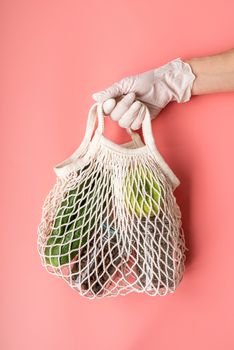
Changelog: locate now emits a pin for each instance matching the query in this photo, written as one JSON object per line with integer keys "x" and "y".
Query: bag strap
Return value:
{"x": 146, "y": 127}
{"x": 149, "y": 140}
{"x": 95, "y": 110}
{"x": 134, "y": 135}
{"x": 147, "y": 130}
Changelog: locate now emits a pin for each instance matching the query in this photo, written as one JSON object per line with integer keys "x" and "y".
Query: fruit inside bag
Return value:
{"x": 71, "y": 225}
{"x": 85, "y": 243}
{"x": 110, "y": 227}
{"x": 97, "y": 265}
{"x": 82, "y": 246}
{"x": 153, "y": 249}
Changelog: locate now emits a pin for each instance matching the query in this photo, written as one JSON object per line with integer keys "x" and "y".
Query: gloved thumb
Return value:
{"x": 119, "y": 88}
{"x": 113, "y": 91}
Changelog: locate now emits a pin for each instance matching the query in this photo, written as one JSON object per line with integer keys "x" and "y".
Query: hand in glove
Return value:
{"x": 155, "y": 88}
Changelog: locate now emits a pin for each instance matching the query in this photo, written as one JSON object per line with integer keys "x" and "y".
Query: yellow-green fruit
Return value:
{"x": 143, "y": 192}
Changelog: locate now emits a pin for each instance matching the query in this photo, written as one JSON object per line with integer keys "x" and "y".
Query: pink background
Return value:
{"x": 54, "y": 55}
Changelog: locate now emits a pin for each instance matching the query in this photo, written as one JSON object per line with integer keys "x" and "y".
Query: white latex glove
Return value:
{"x": 155, "y": 88}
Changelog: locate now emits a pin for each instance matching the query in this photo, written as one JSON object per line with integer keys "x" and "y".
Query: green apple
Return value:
{"x": 143, "y": 192}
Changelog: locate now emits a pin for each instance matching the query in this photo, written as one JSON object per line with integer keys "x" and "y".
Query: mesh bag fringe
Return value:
{"x": 111, "y": 224}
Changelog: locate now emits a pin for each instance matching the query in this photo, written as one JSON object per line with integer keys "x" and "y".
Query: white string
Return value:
{"x": 111, "y": 225}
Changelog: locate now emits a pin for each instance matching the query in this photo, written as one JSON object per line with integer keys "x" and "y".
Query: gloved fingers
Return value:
{"x": 119, "y": 88}
{"x": 130, "y": 115}
{"x": 122, "y": 106}
{"x": 136, "y": 124}
{"x": 108, "y": 106}
{"x": 112, "y": 91}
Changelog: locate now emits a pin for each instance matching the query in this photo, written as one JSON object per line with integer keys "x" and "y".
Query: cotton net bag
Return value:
{"x": 111, "y": 224}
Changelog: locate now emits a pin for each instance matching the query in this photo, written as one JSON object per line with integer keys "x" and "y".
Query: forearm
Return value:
{"x": 213, "y": 73}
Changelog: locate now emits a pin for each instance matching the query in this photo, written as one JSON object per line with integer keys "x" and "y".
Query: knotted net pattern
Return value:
{"x": 112, "y": 226}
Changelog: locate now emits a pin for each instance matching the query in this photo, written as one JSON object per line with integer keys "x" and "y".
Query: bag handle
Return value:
{"x": 99, "y": 107}
{"x": 96, "y": 110}
{"x": 148, "y": 140}
{"x": 146, "y": 127}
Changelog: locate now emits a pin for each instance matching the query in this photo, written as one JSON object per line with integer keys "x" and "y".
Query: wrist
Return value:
{"x": 214, "y": 73}
{"x": 198, "y": 67}
{"x": 186, "y": 82}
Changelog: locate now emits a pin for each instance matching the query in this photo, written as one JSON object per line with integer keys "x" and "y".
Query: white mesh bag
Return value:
{"x": 111, "y": 224}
